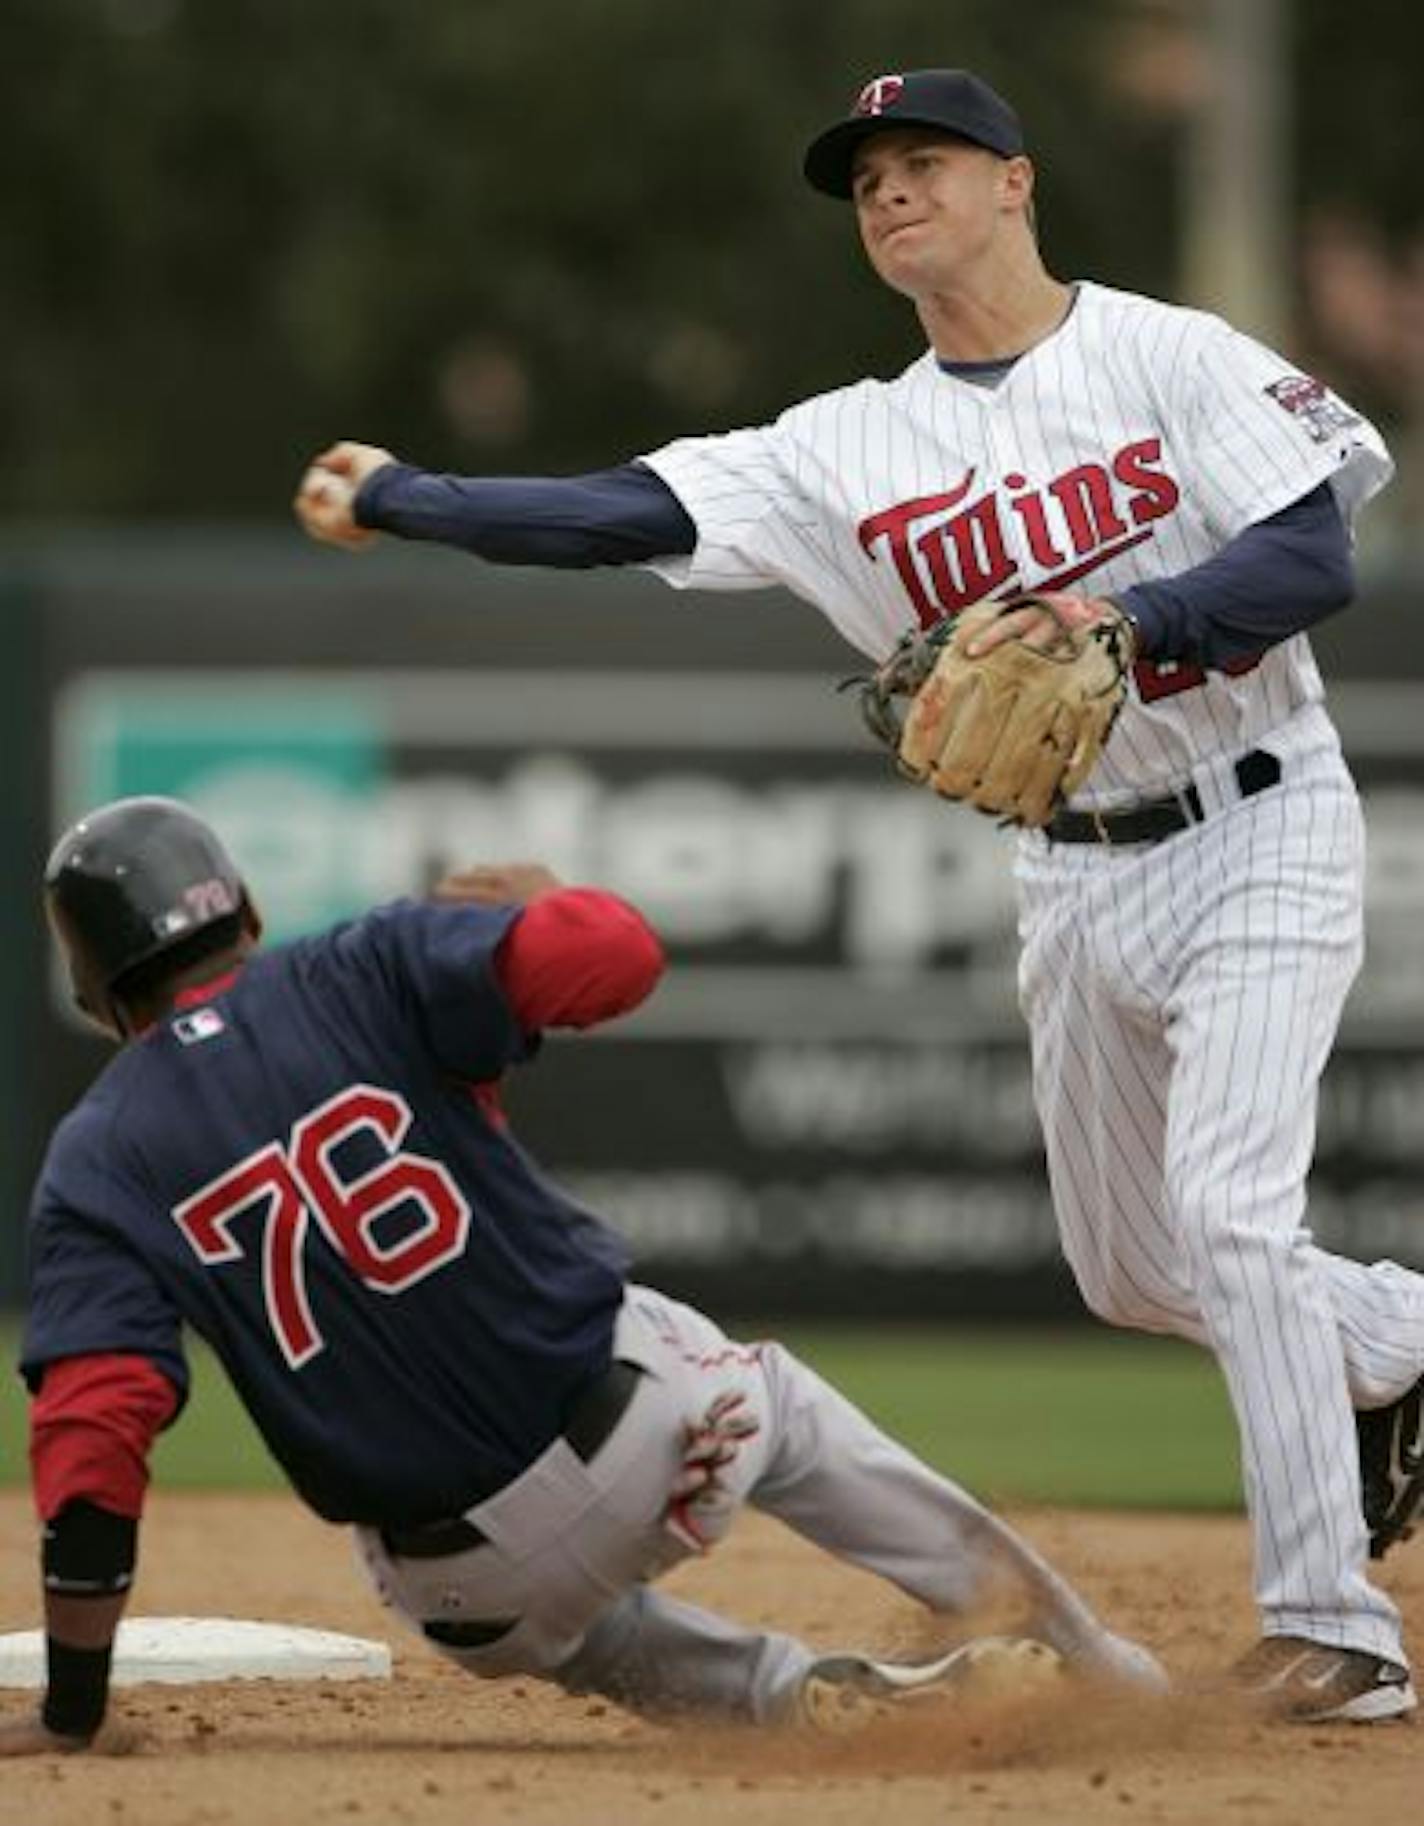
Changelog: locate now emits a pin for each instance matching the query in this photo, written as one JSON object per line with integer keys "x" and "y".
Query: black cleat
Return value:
{"x": 1392, "y": 1468}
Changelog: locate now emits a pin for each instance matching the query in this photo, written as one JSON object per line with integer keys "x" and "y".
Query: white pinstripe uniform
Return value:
{"x": 1182, "y": 997}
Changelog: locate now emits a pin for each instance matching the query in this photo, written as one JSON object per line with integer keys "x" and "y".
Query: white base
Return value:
{"x": 178, "y": 1650}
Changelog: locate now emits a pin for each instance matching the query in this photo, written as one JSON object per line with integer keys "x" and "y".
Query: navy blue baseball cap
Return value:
{"x": 954, "y": 101}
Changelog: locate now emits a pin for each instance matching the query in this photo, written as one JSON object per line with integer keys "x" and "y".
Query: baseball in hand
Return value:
{"x": 325, "y": 506}
{"x": 327, "y": 486}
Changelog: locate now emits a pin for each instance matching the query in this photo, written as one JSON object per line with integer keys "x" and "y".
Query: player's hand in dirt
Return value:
{"x": 498, "y": 884}
{"x": 325, "y": 503}
{"x": 31, "y": 1736}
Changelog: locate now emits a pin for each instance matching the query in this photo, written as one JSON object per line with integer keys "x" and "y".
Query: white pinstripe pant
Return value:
{"x": 1182, "y": 1000}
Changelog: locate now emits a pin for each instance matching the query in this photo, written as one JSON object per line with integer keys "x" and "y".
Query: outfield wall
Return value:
{"x": 826, "y": 1107}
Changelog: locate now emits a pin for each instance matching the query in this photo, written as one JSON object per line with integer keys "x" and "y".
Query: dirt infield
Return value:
{"x": 434, "y": 1747}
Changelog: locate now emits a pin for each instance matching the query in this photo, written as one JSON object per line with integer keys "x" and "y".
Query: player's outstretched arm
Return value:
{"x": 625, "y": 515}
{"x": 93, "y": 1420}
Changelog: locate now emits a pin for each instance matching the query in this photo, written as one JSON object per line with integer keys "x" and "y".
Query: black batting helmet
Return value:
{"x": 136, "y": 882}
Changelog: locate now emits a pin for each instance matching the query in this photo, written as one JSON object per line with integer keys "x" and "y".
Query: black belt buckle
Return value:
{"x": 599, "y": 1408}
{"x": 1155, "y": 819}
{"x": 1148, "y": 822}
{"x": 432, "y": 1540}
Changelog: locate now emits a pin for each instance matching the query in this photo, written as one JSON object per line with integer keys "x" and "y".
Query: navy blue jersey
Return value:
{"x": 298, "y": 1168}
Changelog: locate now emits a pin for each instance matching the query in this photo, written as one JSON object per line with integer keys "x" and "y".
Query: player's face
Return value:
{"x": 931, "y": 207}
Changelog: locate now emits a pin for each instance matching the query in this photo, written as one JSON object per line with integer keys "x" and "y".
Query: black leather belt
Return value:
{"x": 593, "y": 1416}
{"x": 1155, "y": 819}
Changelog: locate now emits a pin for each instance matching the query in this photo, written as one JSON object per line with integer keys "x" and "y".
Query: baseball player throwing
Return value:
{"x": 1191, "y": 917}
{"x": 301, "y": 1154}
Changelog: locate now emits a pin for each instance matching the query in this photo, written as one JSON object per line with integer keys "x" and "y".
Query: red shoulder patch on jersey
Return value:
{"x": 1311, "y": 401}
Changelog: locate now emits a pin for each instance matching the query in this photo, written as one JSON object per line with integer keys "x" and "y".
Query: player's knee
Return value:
{"x": 1108, "y": 1305}
{"x": 1227, "y": 1253}
{"x": 1108, "y": 1297}
{"x": 1211, "y": 1225}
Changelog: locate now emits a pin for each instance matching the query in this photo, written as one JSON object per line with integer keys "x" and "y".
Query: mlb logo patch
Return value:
{"x": 1312, "y": 402}
{"x": 201, "y": 1024}
{"x": 171, "y": 922}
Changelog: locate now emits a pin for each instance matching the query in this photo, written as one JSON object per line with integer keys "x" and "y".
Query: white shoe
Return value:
{"x": 842, "y": 1692}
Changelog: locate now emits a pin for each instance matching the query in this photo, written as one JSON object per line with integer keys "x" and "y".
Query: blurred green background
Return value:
{"x": 1037, "y": 1416}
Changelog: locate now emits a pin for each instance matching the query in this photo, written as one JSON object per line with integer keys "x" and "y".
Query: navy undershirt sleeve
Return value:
{"x": 613, "y": 516}
{"x": 1273, "y": 580}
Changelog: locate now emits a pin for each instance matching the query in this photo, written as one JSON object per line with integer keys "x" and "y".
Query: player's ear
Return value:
{"x": 106, "y": 1013}
{"x": 1016, "y": 180}
{"x": 1016, "y": 187}
{"x": 251, "y": 919}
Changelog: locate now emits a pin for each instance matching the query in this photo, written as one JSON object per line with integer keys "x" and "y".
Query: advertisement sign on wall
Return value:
{"x": 827, "y": 1103}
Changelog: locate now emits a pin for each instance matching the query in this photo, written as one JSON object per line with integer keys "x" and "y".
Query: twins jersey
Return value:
{"x": 1133, "y": 443}
{"x": 300, "y": 1164}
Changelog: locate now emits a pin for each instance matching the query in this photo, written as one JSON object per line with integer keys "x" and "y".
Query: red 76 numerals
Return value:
{"x": 290, "y": 1186}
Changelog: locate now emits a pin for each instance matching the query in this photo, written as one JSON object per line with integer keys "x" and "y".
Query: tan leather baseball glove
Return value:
{"x": 1013, "y": 731}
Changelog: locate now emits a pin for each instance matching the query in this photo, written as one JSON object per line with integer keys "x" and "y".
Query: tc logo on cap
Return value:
{"x": 879, "y": 95}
